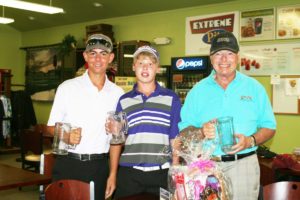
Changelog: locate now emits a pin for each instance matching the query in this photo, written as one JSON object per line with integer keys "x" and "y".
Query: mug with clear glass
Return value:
{"x": 61, "y": 138}
{"x": 118, "y": 126}
{"x": 225, "y": 133}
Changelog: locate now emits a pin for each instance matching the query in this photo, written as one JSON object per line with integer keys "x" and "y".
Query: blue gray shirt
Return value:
{"x": 244, "y": 99}
{"x": 153, "y": 122}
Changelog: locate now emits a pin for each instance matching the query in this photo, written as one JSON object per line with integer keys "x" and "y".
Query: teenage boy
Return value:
{"x": 153, "y": 114}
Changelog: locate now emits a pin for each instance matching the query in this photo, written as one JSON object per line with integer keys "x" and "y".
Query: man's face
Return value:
{"x": 224, "y": 62}
{"x": 98, "y": 60}
{"x": 145, "y": 69}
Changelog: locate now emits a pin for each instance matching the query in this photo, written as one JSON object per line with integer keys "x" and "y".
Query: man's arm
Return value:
{"x": 176, "y": 146}
{"x": 263, "y": 135}
{"x": 50, "y": 130}
{"x": 114, "y": 153}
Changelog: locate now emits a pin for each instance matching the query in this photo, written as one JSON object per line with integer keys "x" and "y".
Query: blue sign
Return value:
{"x": 190, "y": 63}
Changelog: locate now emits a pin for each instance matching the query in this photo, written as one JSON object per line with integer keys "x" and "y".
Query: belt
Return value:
{"x": 226, "y": 158}
{"x": 87, "y": 157}
{"x": 154, "y": 168}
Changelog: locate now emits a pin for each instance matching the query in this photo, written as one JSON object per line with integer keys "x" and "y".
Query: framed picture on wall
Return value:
{"x": 46, "y": 67}
{"x": 43, "y": 72}
{"x": 288, "y": 19}
{"x": 257, "y": 25}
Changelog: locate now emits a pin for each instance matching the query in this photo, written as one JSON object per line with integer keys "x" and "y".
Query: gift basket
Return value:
{"x": 197, "y": 177}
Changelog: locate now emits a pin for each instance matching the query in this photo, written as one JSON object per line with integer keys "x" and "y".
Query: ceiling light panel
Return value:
{"x": 4, "y": 20}
{"x": 31, "y": 6}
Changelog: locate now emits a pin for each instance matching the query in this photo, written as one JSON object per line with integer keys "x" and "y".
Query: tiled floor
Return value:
{"x": 27, "y": 193}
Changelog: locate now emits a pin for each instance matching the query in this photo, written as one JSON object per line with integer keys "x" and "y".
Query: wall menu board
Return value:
{"x": 257, "y": 25}
{"x": 265, "y": 60}
{"x": 288, "y": 22}
{"x": 282, "y": 102}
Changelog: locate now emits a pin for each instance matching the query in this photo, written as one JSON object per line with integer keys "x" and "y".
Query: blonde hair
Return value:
{"x": 146, "y": 54}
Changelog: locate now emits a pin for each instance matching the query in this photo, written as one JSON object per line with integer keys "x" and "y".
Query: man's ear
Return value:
{"x": 85, "y": 56}
{"x": 111, "y": 57}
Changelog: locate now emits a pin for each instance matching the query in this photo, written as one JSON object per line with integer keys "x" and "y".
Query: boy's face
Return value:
{"x": 145, "y": 68}
{"x": 98, "y": 60}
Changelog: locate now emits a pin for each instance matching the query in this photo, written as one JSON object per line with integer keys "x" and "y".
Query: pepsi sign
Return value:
{"x": 189, "y": 63}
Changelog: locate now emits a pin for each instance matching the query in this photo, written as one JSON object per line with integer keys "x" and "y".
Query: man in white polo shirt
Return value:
{"x": 83, "y": 102}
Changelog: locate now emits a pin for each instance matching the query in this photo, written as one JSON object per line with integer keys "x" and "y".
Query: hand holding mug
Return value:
{"x": 75, "y": 136}
{"x": 209, "y": 129}
{"x": 243, "y": 143}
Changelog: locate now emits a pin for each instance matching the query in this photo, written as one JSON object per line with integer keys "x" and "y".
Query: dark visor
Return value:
{"x": 103, "y": 42}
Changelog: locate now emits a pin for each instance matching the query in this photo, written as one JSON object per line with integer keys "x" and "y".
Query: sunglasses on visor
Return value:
{"x": 99, "y": 41}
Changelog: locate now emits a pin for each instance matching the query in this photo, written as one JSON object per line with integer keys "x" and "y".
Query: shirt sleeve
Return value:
{"x": 119, "y": 107}
{"x": 189, "y": 111}
{"x": 175, "y": 119}
{"x": 59, "y": 106}
{"x": 266, "y": 117}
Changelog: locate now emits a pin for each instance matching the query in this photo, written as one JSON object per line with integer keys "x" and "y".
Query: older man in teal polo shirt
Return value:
{"x": 227, "y": 92}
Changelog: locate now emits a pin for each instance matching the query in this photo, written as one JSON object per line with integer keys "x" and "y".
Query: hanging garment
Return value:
{"x": 23, "y": 111}
{"x": 1, "y": 120}
{"x": 6, "y": 131}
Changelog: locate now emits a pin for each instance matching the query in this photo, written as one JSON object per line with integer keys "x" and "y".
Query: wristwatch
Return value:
{"x": 252, "y": 141}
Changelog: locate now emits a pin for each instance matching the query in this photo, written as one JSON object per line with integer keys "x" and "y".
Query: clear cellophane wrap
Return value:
{"x": 197, "y": 177}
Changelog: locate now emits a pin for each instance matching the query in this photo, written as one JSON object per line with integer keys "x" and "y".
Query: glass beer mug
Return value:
{"x": 61, "y": 138}
{"x": 118, "y": 126}
{"x": 226, "y": 133}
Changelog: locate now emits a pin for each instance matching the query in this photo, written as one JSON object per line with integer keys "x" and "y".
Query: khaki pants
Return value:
{"x": 245, "y": 177}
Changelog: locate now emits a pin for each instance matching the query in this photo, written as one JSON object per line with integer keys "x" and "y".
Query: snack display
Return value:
{"x": 248, "y": 64}
{"x": 254, "y": 27}
{"x": 247, "y": 31}
{"x": 198, "y": 178}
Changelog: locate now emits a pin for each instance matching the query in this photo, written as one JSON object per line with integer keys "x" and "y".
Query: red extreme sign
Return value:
{"x": 225, "y": 22}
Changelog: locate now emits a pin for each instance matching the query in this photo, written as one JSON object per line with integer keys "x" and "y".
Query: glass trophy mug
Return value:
{"x": 226, "y": 133}
{"x": 118, "y": 126}
{"x": 61, "y": 138}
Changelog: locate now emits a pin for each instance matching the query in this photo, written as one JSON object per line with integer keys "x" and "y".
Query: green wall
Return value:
{"x": 147, "y": 27}
{"x": 10, "y": 55}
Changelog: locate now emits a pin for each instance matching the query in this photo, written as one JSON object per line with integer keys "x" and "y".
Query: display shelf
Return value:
{"x": 127, "y": 48}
